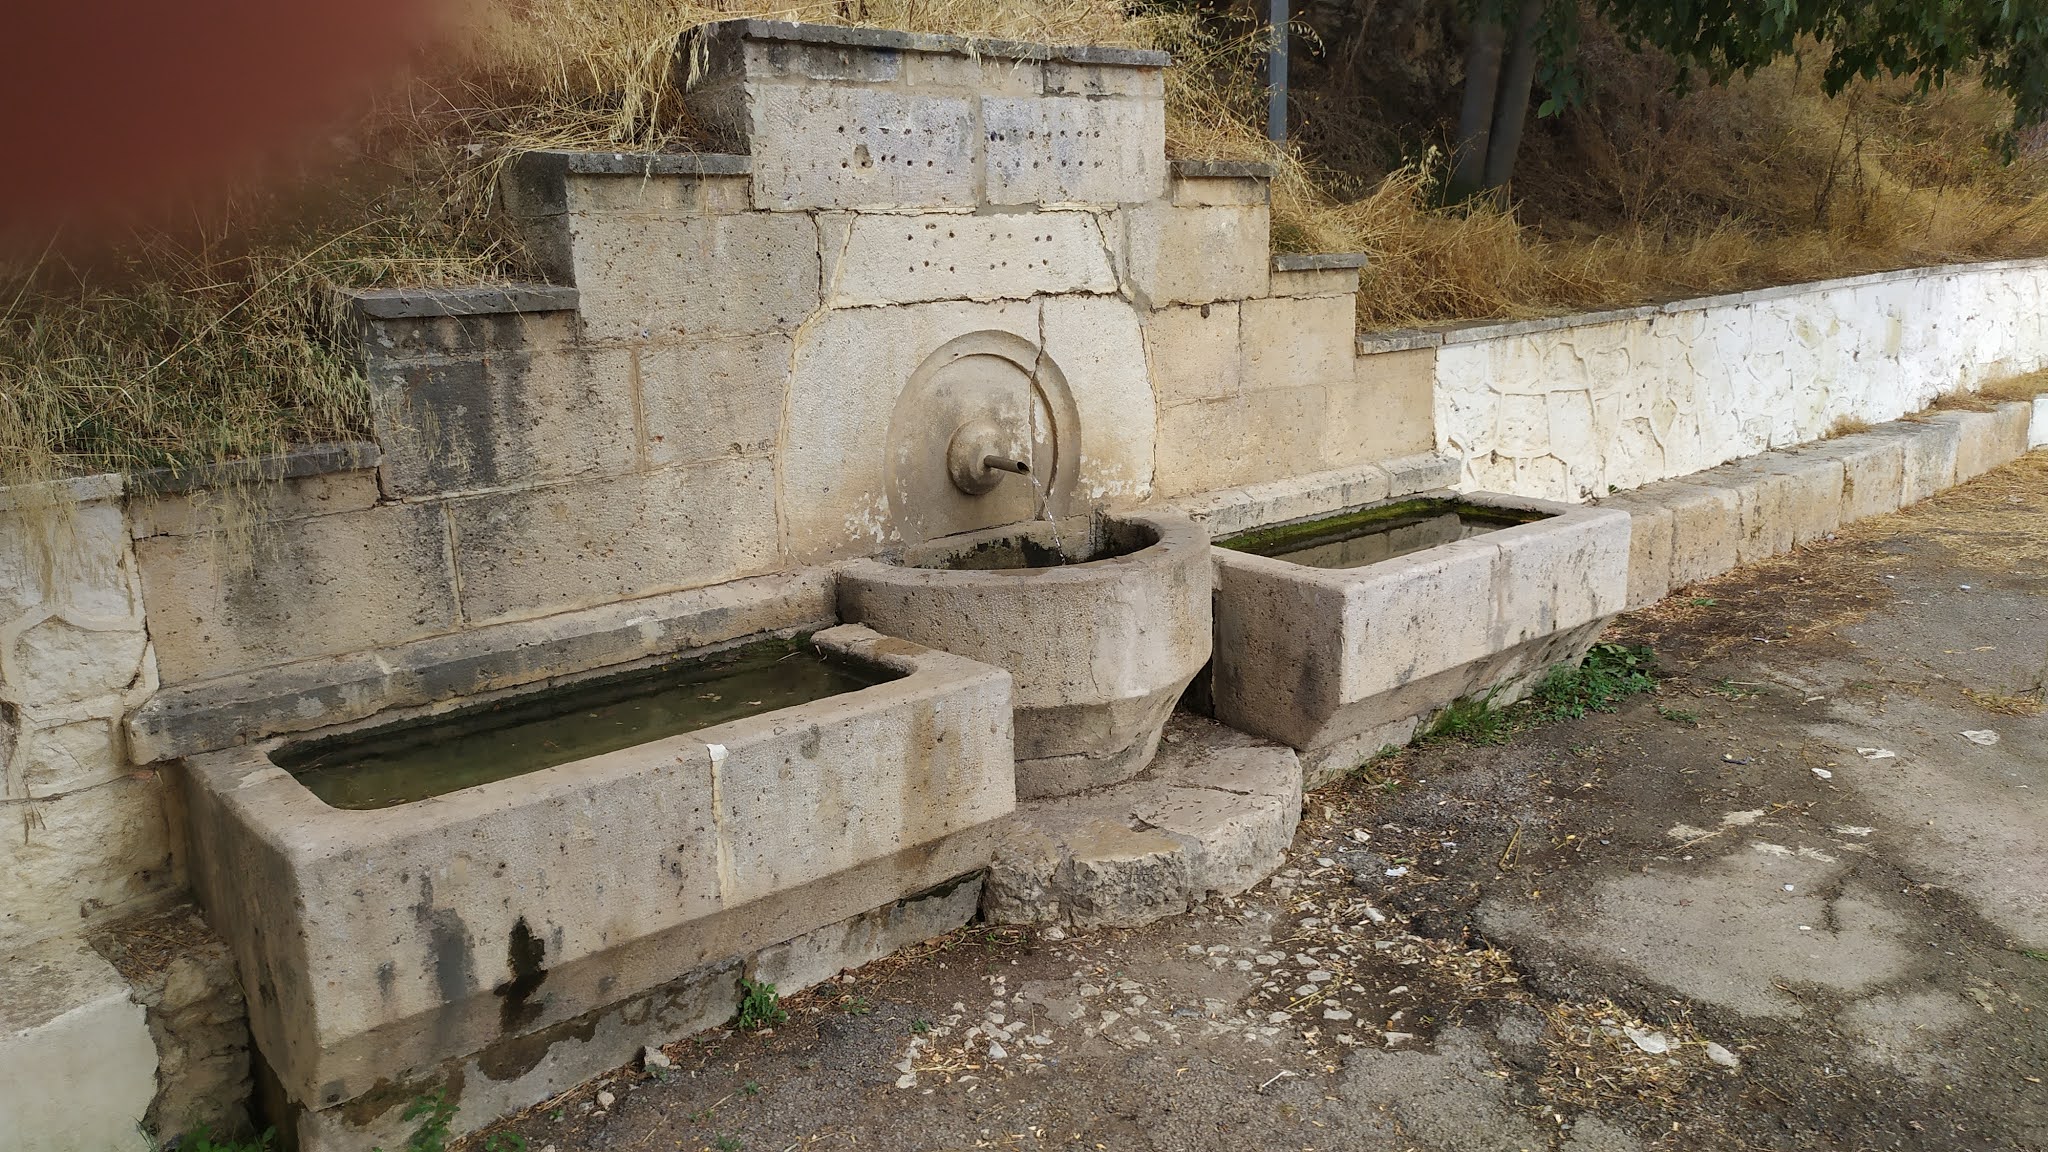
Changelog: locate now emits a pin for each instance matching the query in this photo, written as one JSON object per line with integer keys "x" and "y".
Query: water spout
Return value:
{"x": 1006, "y": 465}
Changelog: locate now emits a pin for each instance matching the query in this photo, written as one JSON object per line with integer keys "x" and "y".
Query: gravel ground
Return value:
{"x": 1785, "y": 901}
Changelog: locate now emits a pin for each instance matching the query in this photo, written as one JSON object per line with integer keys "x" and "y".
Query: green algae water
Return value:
{"x": 1355, "y": 539}
{"x": 433, "y": 756}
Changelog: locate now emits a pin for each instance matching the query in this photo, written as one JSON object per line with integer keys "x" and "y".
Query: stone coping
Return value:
{"x": 1319, "y": 261}
{"x": 1222, "y": 169}
{"x": 311, "y": 460}
{"x": 597, "y": 163}
{"x": 889, "y": 39}
{"x": 66, "y": 490}
{"x": 410, "y": 303}
{"x": 1400, "y": 339}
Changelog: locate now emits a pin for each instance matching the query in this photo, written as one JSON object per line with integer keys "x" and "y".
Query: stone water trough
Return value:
{"x": 1339, "y": 634}
{"x": 379, "y": 931}
{"x": 1103, "y": 621}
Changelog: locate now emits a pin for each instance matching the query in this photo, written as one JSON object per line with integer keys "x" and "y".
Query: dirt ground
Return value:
{"x": 1786, "y": 901}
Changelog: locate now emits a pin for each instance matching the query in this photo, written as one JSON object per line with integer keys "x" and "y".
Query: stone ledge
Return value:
{"x": 1319, "y": 261}
{"x": 70, "y": 490}
{"x": 1399, "y": 340}
{"x": 1222, "y": 169}
{"x": 644, "y": 163}
{"x": 238, "y": 708}
{"x": 414, "y": 303}
{"x": 889, "y": 39}
{"x": 312, "y": 460}
{"x": 1211, "y": 816}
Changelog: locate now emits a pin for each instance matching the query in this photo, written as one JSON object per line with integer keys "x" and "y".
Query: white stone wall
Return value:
{"x": 1576, "y": 407}
{"x": 81, "y": 832}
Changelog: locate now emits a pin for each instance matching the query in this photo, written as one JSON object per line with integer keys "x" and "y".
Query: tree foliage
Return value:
{"x": 1926, "y": 41}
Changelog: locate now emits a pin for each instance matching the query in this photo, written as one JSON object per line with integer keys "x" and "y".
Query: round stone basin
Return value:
{"x": 1101, "y": 624}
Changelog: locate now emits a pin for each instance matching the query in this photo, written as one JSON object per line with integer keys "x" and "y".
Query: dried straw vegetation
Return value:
{"x": 213, "y": 339}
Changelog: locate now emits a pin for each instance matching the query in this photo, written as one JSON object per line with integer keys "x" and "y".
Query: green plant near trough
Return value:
{"x": 760, "y": 1006}
{"x": 1608, "y": 673}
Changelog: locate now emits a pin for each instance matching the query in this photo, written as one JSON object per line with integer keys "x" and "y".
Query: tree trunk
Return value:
{"x": 1475, "y": 116}
{"x": 1511, "y": 100}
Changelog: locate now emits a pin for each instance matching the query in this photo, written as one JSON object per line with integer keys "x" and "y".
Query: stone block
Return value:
{"x": 536, "y": 551}
{"x": 828, "y": 146}
{"x": 77, "y": 1066}
{"x": 1422, "y": 472}
{"x": 381, "y": 936}
{"x": 706, "y": 398}
{"x": 1197, "y": 255}
{"x": 1985, "y": 440}
{"x": 1649, "y": 547}
{"x": 511, "y": 417}
{"x": 1930, "y": 456}
{"x": 209, "y": 510}
{"x": 1097, "y": 345}
{"x": 445, "y": 335}
{"x": 1783, "y": 502}
{"x": 2037, "y": 425}
{"x": 307, "y": 587}
{"x": 71, "y": 856}
{"x": 1192, "y": 352}
{"x": 661, "y": 278}
{"x": 65, "y": 756}
{"x": 1294, "y": 343}
{"x": 74, "y": 559}
{"x": 49, "y": 659}
{"x": 1184, "y": 190}
{"x": 1387, "y": 409}
{"x": 1075, "y": 149}
{"x": 1246, "y": 439}
{"x": 932, "y": 256}
{"x": 1873, "y": 472}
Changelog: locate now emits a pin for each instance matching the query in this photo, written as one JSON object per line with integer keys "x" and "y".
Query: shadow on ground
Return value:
{"x": 1796, "y": 898}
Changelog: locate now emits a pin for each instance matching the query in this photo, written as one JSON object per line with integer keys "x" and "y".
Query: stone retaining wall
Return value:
{"x": 1573, "y": 407}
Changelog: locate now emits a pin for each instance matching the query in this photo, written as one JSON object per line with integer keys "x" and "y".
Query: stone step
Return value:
{"x": 1212, "y": 815}
{"x": 77, "y": 1065}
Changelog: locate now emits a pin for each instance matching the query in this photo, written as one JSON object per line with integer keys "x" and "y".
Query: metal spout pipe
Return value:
{"x": 1004, "y": 465}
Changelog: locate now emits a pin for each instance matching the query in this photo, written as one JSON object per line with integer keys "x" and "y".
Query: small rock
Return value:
{"x": 1823, "y": 773}
{"x": 1983, "y": 737}
{"x": 1395, "y": 1039}
{"x": 652, "y": 1058}
{"x": 997, "y": 1051}
{"x": 606, "y": 1100}
{"x": 1722, "y": 1056}
{"x": 1336, "y": 1014}
{"x": 1655, "y": 1043}
{"x": 1053, "y": 932}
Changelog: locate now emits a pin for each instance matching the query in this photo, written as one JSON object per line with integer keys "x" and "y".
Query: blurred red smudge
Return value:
{"x": 116, "y": 106}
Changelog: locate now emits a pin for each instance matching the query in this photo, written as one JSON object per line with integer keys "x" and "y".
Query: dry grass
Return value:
{"x": 2023, "y": 387}
{"x": 1592, "y": 1061}
{"x": 212, "y": 340}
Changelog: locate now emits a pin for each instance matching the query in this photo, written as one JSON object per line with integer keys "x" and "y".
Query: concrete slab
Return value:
{"x": 77, "y": 1065}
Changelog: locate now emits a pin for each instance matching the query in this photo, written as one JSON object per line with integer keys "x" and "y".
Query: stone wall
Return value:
{"x": 84, "y": 831}
{"x": 723, "y": 379}
{"x": 1578, "y": 406}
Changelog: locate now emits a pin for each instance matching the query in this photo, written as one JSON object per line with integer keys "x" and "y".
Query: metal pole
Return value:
{"x": 1276, "y": 71}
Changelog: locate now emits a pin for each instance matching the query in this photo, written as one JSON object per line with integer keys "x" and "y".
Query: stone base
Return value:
{"x": 612, "y": 1037}
{"x": 1212, "y": 815}
{"x": 77, "y": 1066}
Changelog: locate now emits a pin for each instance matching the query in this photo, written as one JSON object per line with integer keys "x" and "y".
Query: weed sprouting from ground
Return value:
{"x": 760, "y": 1006}
{"x": 1608, "y": 673}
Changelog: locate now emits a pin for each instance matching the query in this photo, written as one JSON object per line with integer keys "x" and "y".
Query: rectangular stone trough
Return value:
{"x": 520, "y": 935}
{"x": 1341, "y": 661}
